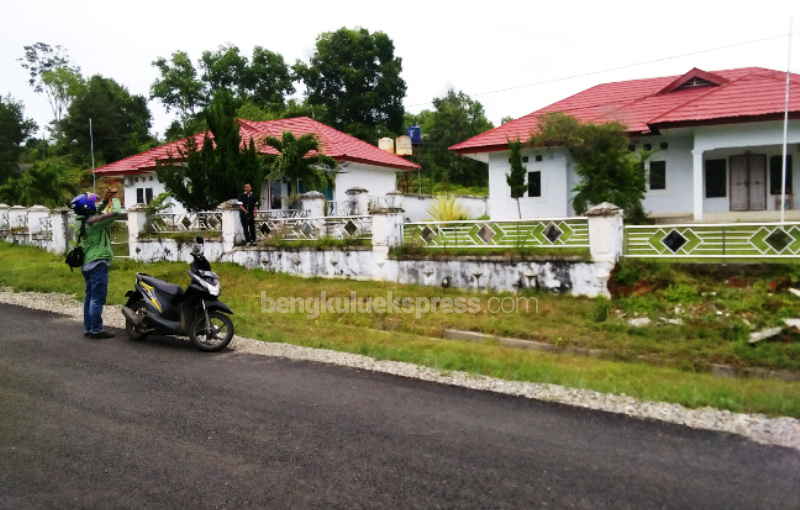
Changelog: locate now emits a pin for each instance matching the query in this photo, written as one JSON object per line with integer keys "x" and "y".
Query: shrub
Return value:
{"x": 448, "y": 208}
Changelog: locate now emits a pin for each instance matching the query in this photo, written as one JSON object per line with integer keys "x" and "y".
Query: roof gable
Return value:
{"x": 692, "y": 79}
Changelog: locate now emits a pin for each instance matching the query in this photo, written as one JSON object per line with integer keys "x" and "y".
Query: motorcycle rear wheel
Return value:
{"x": 134, "y": 331}
{"x": 213, "y": 338}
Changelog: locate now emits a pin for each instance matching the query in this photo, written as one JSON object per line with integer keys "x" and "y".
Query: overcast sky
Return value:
{"x": 476, "y": 47}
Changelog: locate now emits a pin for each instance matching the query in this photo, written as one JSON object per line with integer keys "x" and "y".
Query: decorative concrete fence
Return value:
{"x": 380, "y": 228}
{"x": 36, "y": 226}
{"x": 383, "y": 228}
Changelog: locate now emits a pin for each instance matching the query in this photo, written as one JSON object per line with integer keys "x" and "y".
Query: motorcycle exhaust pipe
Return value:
{"x": 131, "y": 316}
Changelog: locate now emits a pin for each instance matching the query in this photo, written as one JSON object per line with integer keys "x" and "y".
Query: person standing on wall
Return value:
{"x": 96, "y": 241}
{"x": 248, "y": 206}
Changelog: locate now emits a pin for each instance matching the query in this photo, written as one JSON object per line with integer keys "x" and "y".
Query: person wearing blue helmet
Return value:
{"x": 92, "y": 230}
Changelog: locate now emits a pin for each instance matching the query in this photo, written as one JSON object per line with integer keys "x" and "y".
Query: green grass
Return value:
{"x": 561, "y": 320}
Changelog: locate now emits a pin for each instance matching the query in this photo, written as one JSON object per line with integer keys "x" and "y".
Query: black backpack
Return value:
{"x": 75, "y": 256}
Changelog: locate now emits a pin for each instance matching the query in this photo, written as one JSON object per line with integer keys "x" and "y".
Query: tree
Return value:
{"x": 15, "y": 129}
{"x": 356, "y": 75}
{"x": 516, "y": 179}
{"x": 209, "y": 175}
{"x": 178, "y": 88}
{"x": 268, "y": 80}
{"x": 456, "y": 118}
{"x": 224, "y": 69}
{"x": 40, "y": 60}
{"x": 506, "y": 120}
{"x": 120, "y": 121}
{"x": 263, "y": 83}
{"x": 51, "y": 183}
{"x": 295, "y": 161}
{"x": 608, "y": 171}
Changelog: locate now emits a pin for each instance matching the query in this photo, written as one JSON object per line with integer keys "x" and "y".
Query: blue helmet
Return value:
{"x": 84, "y": 204}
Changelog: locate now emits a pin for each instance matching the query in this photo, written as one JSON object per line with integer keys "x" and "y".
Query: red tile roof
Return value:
{"x": 340, "y": 146}
{"x": 751, "y": 93}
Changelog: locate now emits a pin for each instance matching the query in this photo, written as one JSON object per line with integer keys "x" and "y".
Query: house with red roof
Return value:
{"x": 360, "y": 164}
{"x": 718, "y": 138}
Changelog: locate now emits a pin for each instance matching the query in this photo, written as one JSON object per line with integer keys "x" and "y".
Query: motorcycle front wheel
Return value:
{"x": 212, "y": 336}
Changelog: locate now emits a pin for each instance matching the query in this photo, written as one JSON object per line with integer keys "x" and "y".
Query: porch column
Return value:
{"x": 697, "y": 187}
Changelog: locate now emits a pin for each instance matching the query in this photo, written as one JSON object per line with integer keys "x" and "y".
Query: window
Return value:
{"x": 775, "y": 177}
{"x": 716, "y": 178}
{"x": 658, "y": 175}
{"x": 139, "y": 195}
{"x": 534, "y": 184}
{"x": 148, "y": 195}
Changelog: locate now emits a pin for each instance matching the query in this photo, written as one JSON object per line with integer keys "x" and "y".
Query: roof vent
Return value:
{"x": 696, "y": 83}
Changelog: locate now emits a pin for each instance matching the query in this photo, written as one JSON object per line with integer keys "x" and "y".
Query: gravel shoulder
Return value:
{"x": 782, "y": 431}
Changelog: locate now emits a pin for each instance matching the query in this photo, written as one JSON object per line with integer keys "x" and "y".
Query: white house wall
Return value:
{"x": 378, "y": 181}
{"x": 146, "y": 180}
{"x": 555, "y": 193}
{"x": 677, "y": 197}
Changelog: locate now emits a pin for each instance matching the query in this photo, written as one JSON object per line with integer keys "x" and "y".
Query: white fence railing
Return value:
{"x": 281, "y": 214}
{"x": 337, "y": 227}
{"x": 341, "y": 208}
{"x": 374, "y": 202}
{"x": 185, "y": 222}
{"x": 728, "y": 240}
{"x": 539, "y": 233}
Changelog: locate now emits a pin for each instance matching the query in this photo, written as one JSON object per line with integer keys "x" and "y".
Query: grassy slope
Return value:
{"x": 560, "y": 319}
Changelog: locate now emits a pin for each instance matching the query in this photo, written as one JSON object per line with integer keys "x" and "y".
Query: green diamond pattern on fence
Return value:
{"x": 674, "y": 241}
{"x": 778, "y": 240}
{"x": 307, "y": 228}
{"x": 186, "y": 222}
{"x": 428, "y": 234}
{"x": 265, "y": 230}
{"x": 486, "y": 234}
{"x": 552, "y": 233}
{"x": 351, "y": 227}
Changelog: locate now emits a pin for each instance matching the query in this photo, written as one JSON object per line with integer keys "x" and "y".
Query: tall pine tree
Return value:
{"x": 212, "y": 175}
{"x": 516, "y": 179}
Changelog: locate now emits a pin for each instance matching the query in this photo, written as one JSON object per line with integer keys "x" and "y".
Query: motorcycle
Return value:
{"x": 158, "y": 307}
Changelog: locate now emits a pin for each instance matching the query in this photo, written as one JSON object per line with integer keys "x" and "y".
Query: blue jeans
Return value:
{"x": 96, "y": 291}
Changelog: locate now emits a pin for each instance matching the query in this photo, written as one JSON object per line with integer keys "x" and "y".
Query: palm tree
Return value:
{"x": 301, "y": 159}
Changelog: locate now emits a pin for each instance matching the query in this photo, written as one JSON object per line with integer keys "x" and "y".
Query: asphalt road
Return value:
{"x": 117, "y": 424}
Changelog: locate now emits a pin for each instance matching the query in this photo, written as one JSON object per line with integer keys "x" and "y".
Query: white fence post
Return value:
{"x": 387, "y": 225}
{"x": 359, "y": 197}
{"x": 137, "y": 221}
{"x": 231, "y": 226}
{"x": 396, "y": 200}
{"x": 5, "y": 224}
{"x": 36, "y": 214}
{"x": 314, "y": 203}
{"x": 60, "y": 221}
{"x": 605, "y": 232}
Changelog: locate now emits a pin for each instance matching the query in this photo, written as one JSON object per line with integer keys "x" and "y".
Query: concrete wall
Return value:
{"x": 476, "y": 273}
{"x": 416, "y": 206}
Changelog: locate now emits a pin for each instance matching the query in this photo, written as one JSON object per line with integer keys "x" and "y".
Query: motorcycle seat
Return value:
{"x": 174, "y": 291}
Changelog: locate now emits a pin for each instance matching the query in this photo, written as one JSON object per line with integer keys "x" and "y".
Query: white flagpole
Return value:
{"x": 786, "y": 129}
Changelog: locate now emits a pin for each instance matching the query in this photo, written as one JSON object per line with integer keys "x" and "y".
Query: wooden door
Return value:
{"x": 749, "y": 182}
{"x": 757, "y": 164}
{"x": 739, "y": 183}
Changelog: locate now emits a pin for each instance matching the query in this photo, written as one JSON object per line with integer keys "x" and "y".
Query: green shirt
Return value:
{"x": 97, "y": 242}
